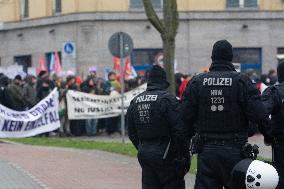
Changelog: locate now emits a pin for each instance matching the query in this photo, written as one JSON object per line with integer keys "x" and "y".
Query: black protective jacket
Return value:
{"x": 273, "y": 100}
{"x": 153, "y": 122}
{"x": 221, "y": 103}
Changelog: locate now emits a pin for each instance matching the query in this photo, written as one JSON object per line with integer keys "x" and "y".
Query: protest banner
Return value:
{"x": 88, "y": 106}
{"x": 41, "y": 118}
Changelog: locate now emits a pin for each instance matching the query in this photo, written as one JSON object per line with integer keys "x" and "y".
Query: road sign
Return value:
{"x": 69, "y": 56}
{"x": 121, "y": 45}
{"x": 115, "y": 46}
{"x": 69, "y": 49}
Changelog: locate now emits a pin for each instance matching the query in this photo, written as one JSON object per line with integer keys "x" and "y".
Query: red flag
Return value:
{"x": 57, "y": 66}
{"x": 41, "y": 64}
{"x": 127, "y": 67}
{"x": 116, "y": 66}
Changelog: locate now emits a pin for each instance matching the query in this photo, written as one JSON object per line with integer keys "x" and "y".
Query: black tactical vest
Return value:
{"x": 149, "y": 122}
{"x": 219, "y": 106}
{"x": 278, "y": 117}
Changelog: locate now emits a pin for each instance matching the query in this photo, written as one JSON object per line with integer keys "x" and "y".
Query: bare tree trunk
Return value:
{"x": 169, "y": 58}
{"x": 168, "y": 30}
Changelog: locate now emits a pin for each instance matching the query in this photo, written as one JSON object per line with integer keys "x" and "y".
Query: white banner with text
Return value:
{"x": 88, "y": 106}
{"x": 40, "y": 119}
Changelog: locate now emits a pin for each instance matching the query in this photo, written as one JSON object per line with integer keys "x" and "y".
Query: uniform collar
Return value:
{"x": 221, "y": 65}
{"x": 157, "y": 86}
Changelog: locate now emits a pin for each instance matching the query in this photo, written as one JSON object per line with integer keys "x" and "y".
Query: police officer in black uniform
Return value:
{"x": 219, "y": 105}
{"x": 155, "y": 130}
{"x": 273, "y": 100}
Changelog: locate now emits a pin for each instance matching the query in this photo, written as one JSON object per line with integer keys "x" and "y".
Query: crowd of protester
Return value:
{"x": 21, "y": 94}
{"x": 261, "y": 81}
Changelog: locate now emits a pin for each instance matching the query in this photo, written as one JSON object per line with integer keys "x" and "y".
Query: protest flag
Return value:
{"x": 57, "y": 65}
{"x": 41, "y": 64}
{"x": 127, "y": 68}
{"x": 129, "y": 71}
{"x": 51, "y": 63}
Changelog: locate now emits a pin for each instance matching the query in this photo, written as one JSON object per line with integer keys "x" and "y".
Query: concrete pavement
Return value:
{"x": 59, "y": 168}
{"x": 34, "y": 167}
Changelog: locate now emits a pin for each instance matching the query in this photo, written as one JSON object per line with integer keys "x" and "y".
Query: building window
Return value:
{"x": 144, "y": 56}
{"x": 280, "y": 54}
{"x": 249, "y": 58}
{"x": 25, "y": 61}
{"x": 242, "y": 3}
{"x": 251, "y": 3}
{"x": 57, "y": 6}
{"x": 233, "y": 3}
{"x": 143, "y": 59}
{"x": 138, "y": 4}
{"x": 24, "y": 8}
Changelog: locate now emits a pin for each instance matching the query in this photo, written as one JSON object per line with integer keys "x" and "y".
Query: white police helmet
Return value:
{"x": 253, "y": 174}
{"x": 261, "y": 175}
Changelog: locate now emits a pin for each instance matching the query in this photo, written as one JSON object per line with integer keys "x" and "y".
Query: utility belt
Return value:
{"x": 159, "y": 140}
{"x": 227, "y": 138}
{"x": 199, "y": 140}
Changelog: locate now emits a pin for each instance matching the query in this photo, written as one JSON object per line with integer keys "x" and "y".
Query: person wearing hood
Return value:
{"x": 44, "y": 85}
{"x": 217, "y": 106}
{"x": 158, "y": 135}
{"x": 16, "y": 94}
{"x": 30, "y": 95}
{"x": 273, "y": 100}
{"x": 91, "y": 124}
{"x": 5, "y": 99}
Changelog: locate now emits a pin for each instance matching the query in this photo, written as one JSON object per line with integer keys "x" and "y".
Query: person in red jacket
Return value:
{"x": 183, "y": 85}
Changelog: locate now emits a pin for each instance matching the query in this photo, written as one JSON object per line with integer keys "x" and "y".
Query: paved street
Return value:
{"x": 29, "y": 167}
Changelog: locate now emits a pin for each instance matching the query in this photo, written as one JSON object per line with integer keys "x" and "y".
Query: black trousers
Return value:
{"x": 160, "y": 178}
{"x": 279, "y": 164}
{"x": 215, "y": 164}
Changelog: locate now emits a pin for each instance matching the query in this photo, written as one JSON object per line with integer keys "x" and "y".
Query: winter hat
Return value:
{"x": 280, "y": 71}
{"x": 222, "y": 50}
{"x": 157, "y": 75}
{"x": 4, "y": 80}
{"x": 93, "y": 69}
{"x": 18, "y": 77}
{"x": 69, "y": 78}
{"x": 41, "y": 73}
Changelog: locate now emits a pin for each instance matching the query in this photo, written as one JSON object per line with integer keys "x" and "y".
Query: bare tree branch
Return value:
{"x": 153, "y": 17}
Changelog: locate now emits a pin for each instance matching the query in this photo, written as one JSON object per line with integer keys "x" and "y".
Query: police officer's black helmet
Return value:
{"x": 157, "y": 75}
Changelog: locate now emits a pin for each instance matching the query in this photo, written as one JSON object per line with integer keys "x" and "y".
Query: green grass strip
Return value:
{"x": 114, "y": 147}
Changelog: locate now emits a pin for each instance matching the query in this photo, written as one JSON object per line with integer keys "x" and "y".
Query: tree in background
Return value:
{"x": 167, "y": 27}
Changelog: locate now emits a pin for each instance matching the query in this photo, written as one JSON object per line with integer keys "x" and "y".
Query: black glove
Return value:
{"x": 182, "y": 166}
{"x": 268, "y": 140}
